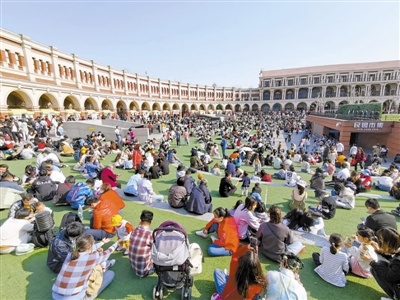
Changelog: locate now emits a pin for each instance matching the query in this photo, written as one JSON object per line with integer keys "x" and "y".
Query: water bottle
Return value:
{"x": 80, "y": 212}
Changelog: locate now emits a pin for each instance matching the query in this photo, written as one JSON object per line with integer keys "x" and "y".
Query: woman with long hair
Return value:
{"x": 245, "y": 219}
{"x": 386, "y": 271}
{"x": 245, "y": 280}
{"x": 73, "y": 280}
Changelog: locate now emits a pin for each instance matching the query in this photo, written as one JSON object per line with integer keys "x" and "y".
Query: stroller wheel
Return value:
{"x": 158, "y": 293}
{"x": 186, "y": 293}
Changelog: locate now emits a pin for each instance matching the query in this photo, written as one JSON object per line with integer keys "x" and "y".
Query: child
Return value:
{"x": 357, "y": 265}
{"x": 232, "y": 210}
{"x": 332, "y": 264}
{"x": 257, "y": 164}
{"x": 216, "y": 170}
{"x": 256, "y": 192}
{"x": 124, "y": 229}
{"x": 245, "y": 183}
{"x": 41, "y": 207}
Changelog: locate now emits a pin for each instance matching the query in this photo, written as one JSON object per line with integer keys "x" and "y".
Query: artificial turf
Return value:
{"x": 27, "y": 277}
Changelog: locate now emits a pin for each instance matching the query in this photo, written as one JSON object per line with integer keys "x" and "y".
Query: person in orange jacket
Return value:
{"x": 225, "y": 226}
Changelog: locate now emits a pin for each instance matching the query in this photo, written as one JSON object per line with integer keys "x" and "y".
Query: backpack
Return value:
{"x": 43, "y": 229}
{"x": 69, "y": 218}
{"x": 78, "y": 194}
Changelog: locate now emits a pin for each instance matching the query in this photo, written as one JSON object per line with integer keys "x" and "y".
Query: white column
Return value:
{"x": 54, "y": 62}
{"x": 95, "y": 76}
{"x": 27, "y": 53}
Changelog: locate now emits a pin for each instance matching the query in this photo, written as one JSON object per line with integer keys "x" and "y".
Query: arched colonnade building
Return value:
{"x": 42, "y": 80}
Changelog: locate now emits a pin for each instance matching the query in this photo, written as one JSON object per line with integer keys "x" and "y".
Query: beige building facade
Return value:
{"x": 43, "y": 80}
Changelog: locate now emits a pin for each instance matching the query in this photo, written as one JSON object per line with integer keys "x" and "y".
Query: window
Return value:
{"x": 278, "y": 82}
{"x": 358, "y": 78}
{"x": 387, "y": 76}
{"x": 330, "y": 79}
{"x": 344, "y": 78}
{"x": 303, "y": 80}
{"x": 266, "y": 83}
{"x": 371, "y": 77}
{"x": 316, "y": 80}
{"x": 290, "y": 82}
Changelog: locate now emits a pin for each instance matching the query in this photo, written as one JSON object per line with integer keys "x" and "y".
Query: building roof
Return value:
{"x": 393, "y": 64}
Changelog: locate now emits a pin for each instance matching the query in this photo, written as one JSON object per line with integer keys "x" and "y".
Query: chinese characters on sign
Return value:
{"x": 368, "y": 125}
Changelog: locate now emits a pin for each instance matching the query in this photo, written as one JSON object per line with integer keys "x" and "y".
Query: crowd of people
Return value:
{"x": 243, "y": 232}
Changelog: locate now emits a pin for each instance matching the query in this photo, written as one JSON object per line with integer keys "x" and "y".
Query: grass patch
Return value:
{"x": 27, "y": 277}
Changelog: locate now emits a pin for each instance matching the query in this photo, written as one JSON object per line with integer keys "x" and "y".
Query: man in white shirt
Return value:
{"x": 339, "y": 147}
{"x": 27, "y": 152}
{"x": 344, "y": 173}
{"x": 353, "y": 150}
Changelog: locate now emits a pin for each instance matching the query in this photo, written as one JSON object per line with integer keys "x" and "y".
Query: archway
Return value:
{"x": 18, "y": 102}
{"x": 90, "y": 104}
{"x": 330, "y": 105}
{"x": 146, "y": 107}
{"x": 122, "y": 110}
{"x": 210, "y": 108}
{"x": 278, "y": 95}
{"x": 330, "y": 92}
{"x": 343, "y": 91}
{"x": 277, "y": 107}
{"x": 246, "y": 107}
{"x": 289, "y": 107}
{"x": 303, "y": 93}
{"x": 193, "y": 107}
{"x": 316, "y": 92}
{"x": 48, "y": 102}
{"x": 343, "y": 102}
{"x": 185, "y": 109}
{"x": 302, "y": 106}
{"x": 202, "y": 107}
{"x": 265, "y": 108}
{"x": 228, "y": 107}
{"x": 289, "y": 94}
{"x": 254, "y": 107}
{"x": 134, "y": 108}
{"x": 266, "y": 95}
{"x": 237, "y": 108}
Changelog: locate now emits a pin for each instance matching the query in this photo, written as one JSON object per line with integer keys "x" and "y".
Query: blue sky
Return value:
{"x": 207, "y": 42}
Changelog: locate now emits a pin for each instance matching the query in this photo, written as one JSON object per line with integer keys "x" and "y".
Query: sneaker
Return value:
{"x": 201, "y": 233}
{"x": 110, "y": 263}
{"x": 119, "y": 248}
{"x": 126, "y": 252}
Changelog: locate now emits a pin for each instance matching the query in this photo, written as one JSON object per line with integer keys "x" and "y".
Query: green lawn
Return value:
{"x": 27, "y": 277}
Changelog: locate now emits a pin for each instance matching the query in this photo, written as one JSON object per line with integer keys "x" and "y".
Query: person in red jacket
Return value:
{"x": 100, "y": 224}
{"x": 225, "y": 226}
{"x": 246, "y": 278}
{"x": 137, "y": 157}
{"x": 108, "y": 176}
{"x": 112, "y": 197}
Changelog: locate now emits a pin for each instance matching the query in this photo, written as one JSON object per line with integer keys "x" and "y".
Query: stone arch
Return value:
{"x": 316, "y": 92}
{"x": 301, "y": 106}
{"x": 237, "y": 108}
{"x": 193, "y": 107}
{"x": 289, "y": 106}
{"x": 246, "y": 107}
{"x": 48, "y": 101}
{"x": 254, "y": 107}
{"x": 185, "y": 109}
{"x": 70, "y": 102}
{"x": 219, "y": 107}
{"x": 175, "y": 106}
{"x": 228, "y": 107}
{"x": 330, "y": 105}
{"x": 106, "y": 105}
{"x": 313, "y": 106}
{"x": 267, "y": 95}
{"x": 277, "y": 107}
{"x": 343, "y": 102}
{"x": 91, "y": 104}
{"x": 145, "y": 106}
{"x": 388, "y": 105}
{"x": 290, "y": 94}
{"x": 19, "y": 100}
{"x": 278, "y": 95}
{"x": 210, "y": 107}
{"x": 330, "y": 92}
{"x": 202, "y": 107}
{"x": 166, "y": 107}
{"x": 344, "y": 92}
{"x": 134, "y": 106}
{"x": 303, "y": 93}
{"x": 265, "y": 108}
{"x": 156, "y": 107}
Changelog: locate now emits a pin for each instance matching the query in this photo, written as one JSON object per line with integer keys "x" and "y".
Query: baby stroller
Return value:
{"x": 171, "y": 259}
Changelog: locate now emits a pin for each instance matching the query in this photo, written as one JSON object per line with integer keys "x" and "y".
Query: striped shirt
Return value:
{"x": 332, "y": 267}
{"x": 74, "y": 274}
{"x": 141, "y": 242}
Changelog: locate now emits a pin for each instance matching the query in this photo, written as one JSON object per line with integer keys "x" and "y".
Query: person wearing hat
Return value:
{"x": 326, "y": 208}
{"x": 124, "y": 229}
{"x": 299, "y": 196}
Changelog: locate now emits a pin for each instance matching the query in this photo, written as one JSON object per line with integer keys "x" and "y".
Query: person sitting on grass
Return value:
{"x": 140, "y": 244}
{"x": 73, "y": 280}
{"x": 299, "y": 196}
{"x": 326, "y": 208}
{"x": 227, "y": 241}
{"x": 177, "y": 193}
{"x": 200, "y": 199}
{"x": 245, "y": 280}
{"x": 63, "y": 244}
{"x": 226, "y": 188}
{"x": 16, "y": 231}
{"x": 246, "y": 221}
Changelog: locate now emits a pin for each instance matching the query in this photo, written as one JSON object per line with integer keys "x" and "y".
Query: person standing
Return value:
{"x": 140, "y": 244}
{"x": 118, "y": 134}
